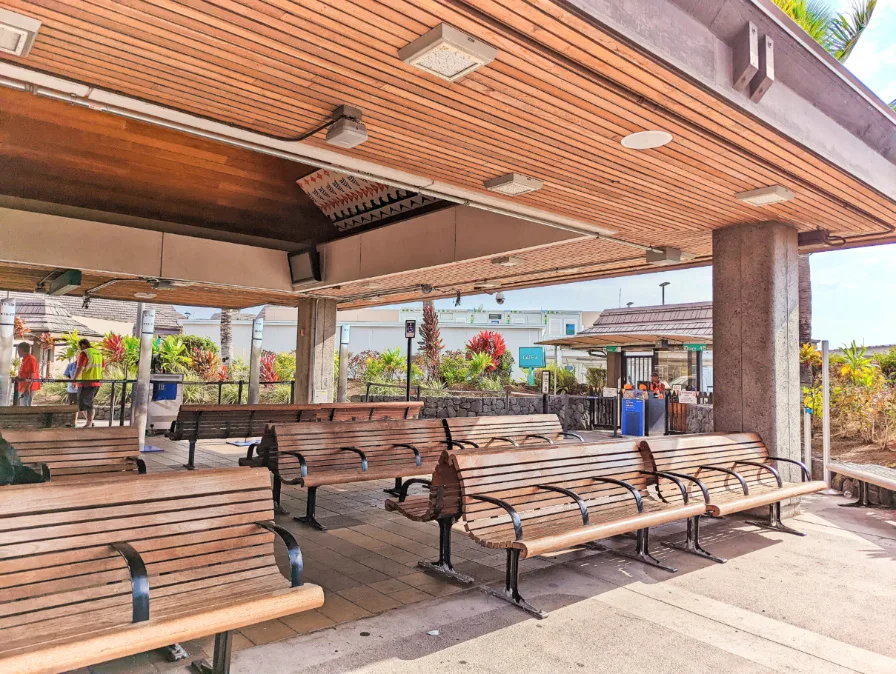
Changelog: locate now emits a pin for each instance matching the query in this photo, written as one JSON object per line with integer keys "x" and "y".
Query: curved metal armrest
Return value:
{"x": 743, "y": 483}
{"x": 460, "y": 443}
{"x": 139, "y": 580}
{"x": 669, "y": 476}
{"x": 505, "y": 439}
{"x": 251, "y": 450}
{"x": 296, "y": 566}
{"x": 172, "y": 427}
{"x": 411, "y": 447}
{"x": 141, "y": 468}
{"x": 798, "y": 463}
{"x": 359, "y": 453}
{"x": 540, "y": 437}
{"x": 631, "y": 488}
{"x": 403, "y": 494}
{"x": 569, "y": 492}
{"x": 764, "y": 466}
{"x": 514, "y": 515}
{"x": 303, "y": 467}
{"x": 568, "y": 434}
{"x": 693, "y": 479}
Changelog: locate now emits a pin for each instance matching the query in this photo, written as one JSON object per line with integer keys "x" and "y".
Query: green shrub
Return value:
{"x": 596, "y": 377}
{"x": 285, "y": 366}
{"x": 454, "y": 368}
{"x": 195, "y": 341}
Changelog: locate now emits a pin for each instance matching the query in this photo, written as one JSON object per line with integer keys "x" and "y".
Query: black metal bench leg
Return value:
{"x": 862, "y": 501}
{"x": 641, "y": 553}
{"x": 396, "y": 490}
{"x": 309, "y": 517}
{"x": 511, "y": 591}
{"x": 774, "y": 521}
{"x": 278, "y": 508}
{"x": 692, "y": 543}
{"x": 190, "y": 465}
{"x": 221, "y": 662}
{"x": 175, "y": 652}
{"x": 444, "y": 565}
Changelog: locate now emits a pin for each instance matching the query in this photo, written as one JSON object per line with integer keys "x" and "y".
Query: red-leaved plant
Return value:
{"x": 488, "y": 342}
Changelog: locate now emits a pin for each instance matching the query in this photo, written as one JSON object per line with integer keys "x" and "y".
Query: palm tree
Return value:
{"x": 838, "y": 33}
{"x": 226, "y": 337}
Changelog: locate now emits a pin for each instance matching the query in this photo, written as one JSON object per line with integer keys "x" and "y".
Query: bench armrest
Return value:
{"x": 743, "y": 483}
{"x": 669, "y": 476}
{"x": 359, "y": 453}
{"x": 412, "y": 448}
{"x": 406, "y": 484}
{"x": 296, "y": 565}
{"x": 139, "y": 580}
{"x": 540, "y": 437}
{"x": 504, "y": 439}
{"x": 621, "y": 483}
{"x": 460, "y": 443}
{"x": 514, "y": 515}
{"x": 568, "y": 492}
{"x": 251, "y": 450}
{"x": 568, "y": 434}
{"x": 798, "y": 463}
{"x": 691, "y": 478}
{"x": 764, "y": 466}
{"x": 172, "y": 428}
{"x": 141, "y": 466}
{"x": 303, "y": 467}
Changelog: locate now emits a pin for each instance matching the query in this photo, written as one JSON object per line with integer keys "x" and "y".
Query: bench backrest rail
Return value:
{"x": 498, "y": 431}
{"x": 79, "y": 451}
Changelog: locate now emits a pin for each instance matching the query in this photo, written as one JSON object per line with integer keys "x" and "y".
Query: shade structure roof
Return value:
{"x": 167, "y": 317}
{"x": 645, "y": 327}
{"x": 46, "y": 314}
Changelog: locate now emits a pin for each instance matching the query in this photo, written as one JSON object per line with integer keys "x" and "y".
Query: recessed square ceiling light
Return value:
{"x": 17, "y": 33}
{"x": 508, "y": 261}
{"x": 447, "y": 52}
{"x": 765, "y": 196}
{"x": 513, "y": 184}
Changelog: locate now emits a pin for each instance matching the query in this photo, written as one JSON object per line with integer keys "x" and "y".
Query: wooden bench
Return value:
{"x": 865, "y": 474}
{"x": 314, "y": 455}
{"x": 220, "y": 422}
{"x": 545, "y": 499}
{"x": 78, "y": 453}
{"x": 91, "y": 571}
{"x": 30, "y": 418}
{"x": 731, "y": 472}
{"x": 514, "y": 430}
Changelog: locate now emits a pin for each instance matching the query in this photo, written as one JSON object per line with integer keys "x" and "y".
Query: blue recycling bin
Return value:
{"x": 633, "y": 416}
{"x": 164, "y": 390}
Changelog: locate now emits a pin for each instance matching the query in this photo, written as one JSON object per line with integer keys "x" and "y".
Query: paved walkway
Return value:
{"x": 782, "y": 603}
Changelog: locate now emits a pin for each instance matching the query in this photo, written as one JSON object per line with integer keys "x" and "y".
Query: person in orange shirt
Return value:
{"x": 28, "y": 375}
{"x": 657, "y": 388}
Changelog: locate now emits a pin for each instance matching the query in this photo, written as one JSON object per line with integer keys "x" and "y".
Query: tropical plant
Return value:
{"x": 268, "y": 369}
{"x": 285, "y": 366}
{"x": 205, "y": 363}
{"x": 430, "y": 343}
{"x": 454, "y": 369}
{"x": 837, "y": 32}
{"x": 204, "y": 343}
{"x": 226, "y": 336}
{"x": 113, "y": 348}
{"x": 857, "y": 368}
{"x": 596, "y": 377}
{"x": 479, "y": 363}
{"x": 71, "y": 340}
{"x": 172, "y": 354}
{"x": 887, "y": 363}
{"x": 488, "y": 342}
{"x": 810, "y": 356}
{"x": 20, "y": 328}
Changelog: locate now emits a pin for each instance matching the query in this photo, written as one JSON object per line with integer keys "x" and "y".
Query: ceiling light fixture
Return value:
{"x": 145, "y": 296}
{"x": 766, "y": 196}
{"x": 513, "y": 184}
{"x": 447, "y": 52}
{"x": 647, "y": 140}
{"x": 663, "y": 255}
{"x": 17, "y": 33}
{"x": 508, "y": 261}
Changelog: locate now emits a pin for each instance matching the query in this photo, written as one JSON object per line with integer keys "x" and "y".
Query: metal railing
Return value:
{"x": 677, "y": 412}
{"x": 418, "y": 390}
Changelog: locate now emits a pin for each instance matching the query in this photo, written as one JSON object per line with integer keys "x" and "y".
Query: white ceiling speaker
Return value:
{"x": 647, "y": 140}
{"x": 766, "y": 196}
{"x": 347, "y": 131}
{"x": 447, "y": 53}
{"x": 145, "y": 296}
{"x": 17, "y": 33}
{"x": 513, "y": 184}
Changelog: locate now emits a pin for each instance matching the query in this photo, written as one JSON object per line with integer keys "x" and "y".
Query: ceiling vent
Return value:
{"x": 17, "y": 33}
{"x": 447, "y": 52}
{"x": 664, "y": 255}
{"x": 766, "y": 196}
{"x": 513, "y": 184}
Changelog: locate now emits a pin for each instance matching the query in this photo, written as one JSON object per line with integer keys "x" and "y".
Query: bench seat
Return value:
{"x": 865, "y": 474}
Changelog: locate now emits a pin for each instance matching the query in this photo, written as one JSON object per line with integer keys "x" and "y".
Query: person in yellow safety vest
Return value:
{"x": 88, "y": 373}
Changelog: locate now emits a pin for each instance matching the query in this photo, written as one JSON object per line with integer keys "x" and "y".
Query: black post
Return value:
{"x": 112, "y": 404}
{"x": 668, "y": 421}
{"x": 544, "y": 403}
{"x": 15, "y": 391}
{"x": 407, "y": 394}
{"x": 124, "y": 397}
{"x": 699, "y": 371}
{"x": 239, "y": 393}
{"x": 220, "y": 390}
{"x": 292, "y": 392}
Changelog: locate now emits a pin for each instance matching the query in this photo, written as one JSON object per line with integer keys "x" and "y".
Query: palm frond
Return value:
{"x": 893, "y": 104}
{"x": 846, "y": 29}
{"x": 813, "y": 16}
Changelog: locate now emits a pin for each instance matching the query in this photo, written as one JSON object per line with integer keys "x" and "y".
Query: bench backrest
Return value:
{"x": 515, "y": 476}
{"x": 208, "y": 422}
{"x": 43, "y": 416}
{"x": 483, "y": 430}
{"x": 319, "y": 444}
{"x": 686, "y": 453}
{"x": 78, "y": 451}
{"x": 194, "y": 530}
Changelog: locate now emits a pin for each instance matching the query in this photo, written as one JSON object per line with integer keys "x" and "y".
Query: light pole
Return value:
{"x": 629, "y": 304}
{"x": 663, "y": 287}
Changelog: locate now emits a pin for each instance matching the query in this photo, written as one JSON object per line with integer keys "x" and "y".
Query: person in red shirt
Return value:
{"x": 28, "y": 375}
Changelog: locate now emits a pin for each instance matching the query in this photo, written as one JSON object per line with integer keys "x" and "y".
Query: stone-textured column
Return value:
{"x": 255, "y": 360}
{"x": 614, "y": 370}
{"x": 7, "y": 337}
{"x": 142, "y": 387}
{"x": 756, "y": 335}
{"x": 315, "y": 351}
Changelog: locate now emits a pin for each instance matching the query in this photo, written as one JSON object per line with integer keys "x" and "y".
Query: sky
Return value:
{"x": 852, "y": 290}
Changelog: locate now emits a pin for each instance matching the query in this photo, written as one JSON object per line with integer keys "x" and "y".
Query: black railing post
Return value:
{"x": 544, "y": 403}
{"x": 112, "y": 404}
{"x": 292, "y": 392}
{"x": 239, "y": 393}
{"x": 220, "y": 390}
{"x": 15, "y": 391}
{"x": 668, "y": 411}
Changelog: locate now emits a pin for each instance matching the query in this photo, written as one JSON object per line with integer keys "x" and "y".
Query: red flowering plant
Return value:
{"x": 268, "y": 367}
{"x": 488, "y": 342}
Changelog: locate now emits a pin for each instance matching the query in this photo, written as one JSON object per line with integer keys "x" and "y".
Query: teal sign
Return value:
{"x": 694, "y": 347}
{"x": 611, "y": 349}
{"x": 531, "y": 356}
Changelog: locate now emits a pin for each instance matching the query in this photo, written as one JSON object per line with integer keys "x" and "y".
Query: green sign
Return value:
{"x": 611, "y": 349}
{"x": 695, "y": 347}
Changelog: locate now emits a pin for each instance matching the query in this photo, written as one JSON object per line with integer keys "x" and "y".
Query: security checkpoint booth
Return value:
{"x": 335, "y": 157}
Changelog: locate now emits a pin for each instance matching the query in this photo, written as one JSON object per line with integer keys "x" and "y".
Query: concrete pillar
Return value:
{"x": 315, "y": 351}
{"x": 142, "y": 387}
{"x": 342, "y": 380}
{"x": 255, "y": 360}
{"x": 614, "y": 370}
{"x": 7, "y": 337}
{"x": 756, "y": 335}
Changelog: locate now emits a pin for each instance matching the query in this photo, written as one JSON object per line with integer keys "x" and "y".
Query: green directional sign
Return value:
{"x": 611, "y": 349}
{"x": 694, "y": 347}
